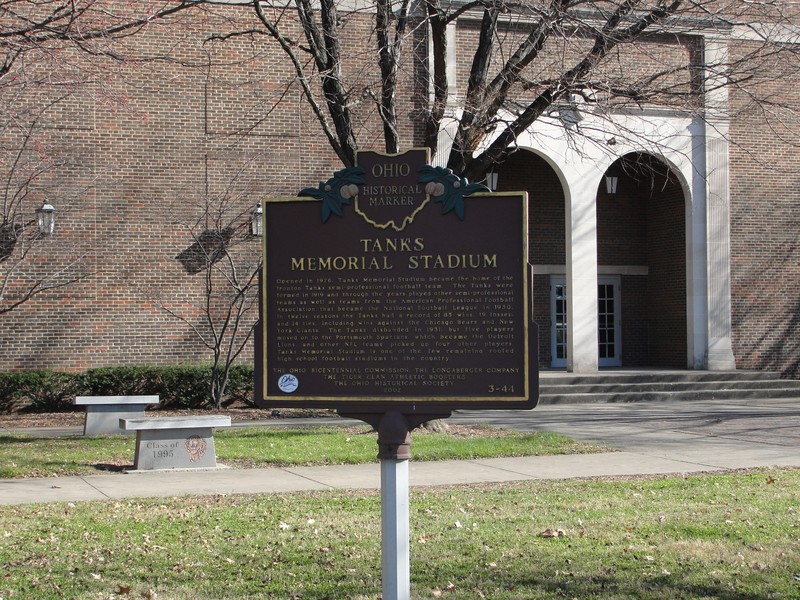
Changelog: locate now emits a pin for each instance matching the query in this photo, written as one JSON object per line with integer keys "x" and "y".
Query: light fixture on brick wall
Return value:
{"x": 611, "y": 185}
{"x": 257, "y": 221}
{"x": 491, "y": 180}
{"x": 46, "y": 218}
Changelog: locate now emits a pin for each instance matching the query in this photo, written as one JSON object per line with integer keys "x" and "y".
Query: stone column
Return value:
{"x": 581, "y": 277}
{"x": 719, "y": 356}
{"x": 696, "y": 251}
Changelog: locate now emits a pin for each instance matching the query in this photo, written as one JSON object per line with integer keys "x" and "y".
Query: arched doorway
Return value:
{"x": 641, "y": 261}
{"x": 528, "y": 171}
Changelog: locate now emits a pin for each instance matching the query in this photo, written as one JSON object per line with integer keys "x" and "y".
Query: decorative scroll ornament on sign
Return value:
{"x": 337, "y": 191}
{"x": 448, "y": 188}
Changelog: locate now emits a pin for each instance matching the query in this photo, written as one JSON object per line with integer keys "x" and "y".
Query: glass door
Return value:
{"x": 608, "y": 322}
{"x": 558, "y": 330}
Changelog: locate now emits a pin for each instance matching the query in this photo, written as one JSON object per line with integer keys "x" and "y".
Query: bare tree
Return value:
{"x": 55, "y": 47}
{"x": 226, "y": 256}
{"x": 25, "y": 269}
{"x": 54, "y": 54}
{"x": 530, "y": 60}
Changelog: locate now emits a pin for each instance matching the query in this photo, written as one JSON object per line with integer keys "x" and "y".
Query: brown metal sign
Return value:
{"x": 357, "y": 315}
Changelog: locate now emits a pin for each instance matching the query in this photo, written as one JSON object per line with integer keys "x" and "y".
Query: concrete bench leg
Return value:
{"x": 105, "y": 418}
{"x": 175, "y": 449}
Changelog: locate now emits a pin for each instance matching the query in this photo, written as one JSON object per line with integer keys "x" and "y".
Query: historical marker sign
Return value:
{"x": 414, "y": 300}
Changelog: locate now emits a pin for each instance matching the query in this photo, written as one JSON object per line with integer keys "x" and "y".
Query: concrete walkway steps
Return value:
{"x": 620, "y": 386}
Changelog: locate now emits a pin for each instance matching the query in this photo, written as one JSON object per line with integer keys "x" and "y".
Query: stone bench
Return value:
{"x": 175, "y": 442}
{"x": 104, "y": 412}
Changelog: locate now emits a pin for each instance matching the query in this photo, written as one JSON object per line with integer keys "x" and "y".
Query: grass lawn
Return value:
{"x": 25, "y": 456}
{"x": 730, "y": 537}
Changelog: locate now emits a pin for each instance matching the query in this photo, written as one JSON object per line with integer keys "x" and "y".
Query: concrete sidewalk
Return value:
{"x": 652, "y": 438}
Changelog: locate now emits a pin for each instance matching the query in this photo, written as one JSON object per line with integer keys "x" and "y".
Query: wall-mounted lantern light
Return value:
{"x": 257, "y": 221}
{"x": 611, "y": 185}
{"x": 569, "y": 113}
{"x": 491, "y": 180}
{"x": 46, "y": 218}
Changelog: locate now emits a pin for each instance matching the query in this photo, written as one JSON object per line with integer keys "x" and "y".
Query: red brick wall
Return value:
{"x": 546, "y": 210}
{"x": 148, "y": 144}
{"x": 666, "y": 278}
{"x": 159, "y": 141}
{"x": 622, "y": 224}
{"x": 546, "y": 229}
{"x": 765, "y": 225}
{"x": 635, "y": 320}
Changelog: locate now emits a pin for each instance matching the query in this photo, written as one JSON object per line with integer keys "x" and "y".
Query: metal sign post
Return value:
{"x": 394, "y": 441}
{"x": 394, "y": 444}
{"x": 395, "y": 549}
{"x": 394, "y": 293}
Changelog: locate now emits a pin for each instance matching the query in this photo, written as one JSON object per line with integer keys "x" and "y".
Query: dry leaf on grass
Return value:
{"x": 552, "y": 533}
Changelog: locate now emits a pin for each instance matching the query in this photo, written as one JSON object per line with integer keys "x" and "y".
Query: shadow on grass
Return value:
{"x": 286, "y": 434}
{"x": 112, "y": 468}
{"x": 570, "y": 586}
{"x": 10, "y": 439}
{"x": 29, "y": 439}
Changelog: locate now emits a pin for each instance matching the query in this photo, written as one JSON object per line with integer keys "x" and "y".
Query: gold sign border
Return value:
{"x": 293, "y": 401}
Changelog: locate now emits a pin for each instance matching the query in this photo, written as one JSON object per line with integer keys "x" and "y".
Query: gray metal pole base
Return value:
{"x": 395, "y": 557}
{"x": 394, "y": 451}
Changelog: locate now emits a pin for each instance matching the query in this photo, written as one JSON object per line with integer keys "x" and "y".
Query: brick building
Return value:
{"x": 660, "y": 236}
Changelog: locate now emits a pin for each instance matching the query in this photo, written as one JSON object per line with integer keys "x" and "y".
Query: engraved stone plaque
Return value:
{"x": 163, "y": 449}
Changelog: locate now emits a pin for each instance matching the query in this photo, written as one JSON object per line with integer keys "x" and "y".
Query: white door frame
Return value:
{"x": 559, "y": 326}
{"x": 609, "y": 334}
{"x": 558, "y": 322}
